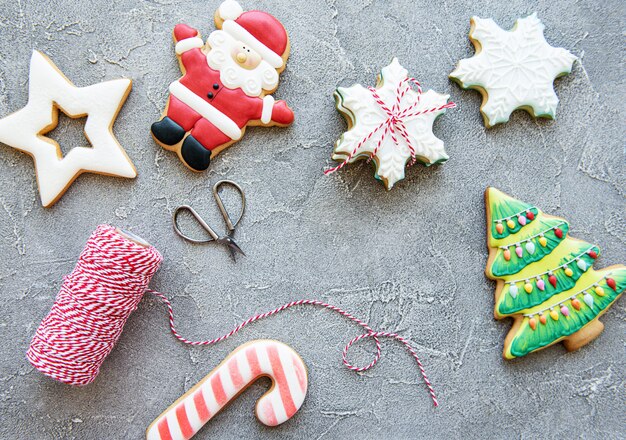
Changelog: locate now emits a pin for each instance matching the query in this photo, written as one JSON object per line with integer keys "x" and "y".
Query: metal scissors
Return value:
{"x": 226, "y": 239}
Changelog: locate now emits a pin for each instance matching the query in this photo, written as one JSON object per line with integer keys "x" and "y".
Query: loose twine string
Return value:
{"x": 395, "y": 121}
{"x": 106, "y": 286}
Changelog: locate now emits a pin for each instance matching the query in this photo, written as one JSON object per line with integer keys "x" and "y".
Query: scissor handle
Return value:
{"x": 193, "y": 212}
{"x": 229, "y": 224}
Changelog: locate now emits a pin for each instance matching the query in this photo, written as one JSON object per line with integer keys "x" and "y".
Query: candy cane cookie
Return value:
{"x": 185, "y": 417}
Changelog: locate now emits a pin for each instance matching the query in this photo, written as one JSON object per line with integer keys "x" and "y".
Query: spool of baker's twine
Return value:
{"x": 108, "y": 282}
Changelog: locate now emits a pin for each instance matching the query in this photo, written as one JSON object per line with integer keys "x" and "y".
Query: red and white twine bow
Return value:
{"x": 395, "y": 123}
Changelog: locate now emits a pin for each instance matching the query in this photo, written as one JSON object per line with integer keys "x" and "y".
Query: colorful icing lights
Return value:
{"x": 507, "y": 255}
{"x": 552, "y": 280}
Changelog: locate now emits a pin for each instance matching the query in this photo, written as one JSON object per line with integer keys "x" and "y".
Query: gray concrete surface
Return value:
{"x": 410, "y": 260}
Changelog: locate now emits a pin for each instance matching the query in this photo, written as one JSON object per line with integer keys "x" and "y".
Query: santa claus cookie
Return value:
{"x": 226, "y": 84}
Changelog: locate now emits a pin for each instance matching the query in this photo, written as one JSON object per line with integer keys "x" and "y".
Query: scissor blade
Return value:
{"x": 233, "y": 248}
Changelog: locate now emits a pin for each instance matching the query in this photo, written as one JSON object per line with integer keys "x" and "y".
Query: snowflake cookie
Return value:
{"x": 513, "y": 69}
{"x": 391, "y": 124}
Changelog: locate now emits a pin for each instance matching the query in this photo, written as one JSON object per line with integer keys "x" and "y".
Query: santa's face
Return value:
{"x": 239, "y": 65}
{"x": 245, "y": 56}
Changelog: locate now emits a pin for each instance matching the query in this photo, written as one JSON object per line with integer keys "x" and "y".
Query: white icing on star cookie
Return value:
{"x": 513, "y": 69}
{"x": 365, "y": 116}
{"x": 48, "y": 91}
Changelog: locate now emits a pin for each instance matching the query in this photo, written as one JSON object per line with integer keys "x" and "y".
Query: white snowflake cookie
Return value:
{"x": 513, "y": 69}
{"x": 391, "y": 124}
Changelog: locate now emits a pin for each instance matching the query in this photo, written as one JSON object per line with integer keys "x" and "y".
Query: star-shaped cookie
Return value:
{"x": 513, "y": 69}
{"x": 49, "y": 90}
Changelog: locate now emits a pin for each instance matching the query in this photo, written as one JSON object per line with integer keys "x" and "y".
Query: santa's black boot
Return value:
{"x": 167, "y": 131}
{"x": 195, "y": 155}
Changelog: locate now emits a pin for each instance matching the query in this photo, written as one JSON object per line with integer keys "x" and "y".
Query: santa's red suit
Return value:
{"x": 215, "y": 114}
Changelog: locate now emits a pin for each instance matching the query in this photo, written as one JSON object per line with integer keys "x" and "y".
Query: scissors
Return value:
{"x": 227, "y": 239}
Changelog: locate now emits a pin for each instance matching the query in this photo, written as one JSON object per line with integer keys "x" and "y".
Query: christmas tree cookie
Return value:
{"x": 546, "y": 281}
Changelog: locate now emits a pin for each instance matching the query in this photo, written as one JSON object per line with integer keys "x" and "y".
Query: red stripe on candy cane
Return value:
{"x": 253, "y": 361}
{"x": 164, "y": 430}
{"x": 300, "y": 374}
{"x": 183, "y": 421}
{"x": 270, "y": 415}
{"x": 235, "y": 374}
{"x": 281, "y": 381}
{"x": 218, "y": 390}
{"x": 203, "y": 412}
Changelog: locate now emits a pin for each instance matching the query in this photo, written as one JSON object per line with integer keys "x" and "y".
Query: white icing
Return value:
{"x": 188, "y": 44}
{"x": 230, "y": 10}
{"x": 227, "y": 383}
{"x": 213, "y": 115}
{"x": 232, "y": 75}
{"x": 516, "y": 68}
{"x": 391, "y": 157}
{"x": 192, "y": 415}
{"x": 264, "y": 360}
{"x": 172, "y": 423}
{"x": 153, "y": 433}
{"x": 100, "y": 102}
{"x": 244, "y": 367}
{"x": 268, "y": 106}
{"x": 240, "y": 34}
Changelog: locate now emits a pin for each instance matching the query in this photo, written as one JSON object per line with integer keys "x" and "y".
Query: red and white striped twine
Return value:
{"x": 92, "y": 306}
{"x": 106, "y": 286}
{"x": 395, "y": 122}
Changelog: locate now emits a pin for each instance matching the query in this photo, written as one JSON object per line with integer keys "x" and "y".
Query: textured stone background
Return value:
{"x": 410, "y": 260}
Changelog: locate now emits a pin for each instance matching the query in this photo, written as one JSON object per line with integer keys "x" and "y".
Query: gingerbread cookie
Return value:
{"x": 49, "y": 90}
{"x": 185, "y": 417}
{"x": 513, "y": 69}
{"x": 226, "y": 84}
{"x": 546, "y": 281}
{"x": 391, "y": 125}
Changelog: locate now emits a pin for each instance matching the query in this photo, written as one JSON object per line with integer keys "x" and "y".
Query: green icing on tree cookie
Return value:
{"x": 546, "y": 280}
{"x": 521, "y": 249}
{"x": 527, "y": 340}
{"x": 543, "y": 286}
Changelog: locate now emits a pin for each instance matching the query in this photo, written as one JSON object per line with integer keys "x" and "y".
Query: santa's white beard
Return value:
{"x": 233, "y": 76}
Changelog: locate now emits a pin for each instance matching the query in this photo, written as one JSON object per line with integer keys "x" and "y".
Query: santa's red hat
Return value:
{"x": 259, "y": 30}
